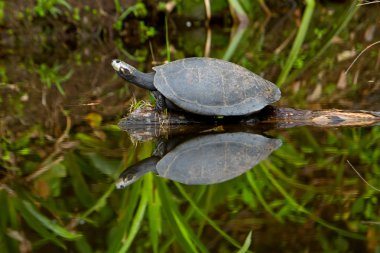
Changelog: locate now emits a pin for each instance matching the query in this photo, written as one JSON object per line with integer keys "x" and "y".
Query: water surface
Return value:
{"x": 62, "y": 152}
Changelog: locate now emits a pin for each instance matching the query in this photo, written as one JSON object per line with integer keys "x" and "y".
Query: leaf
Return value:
{"x": 259, "y": 195}
{"x": 127, "y": 208}
{"x": 203, "y": 215}
{"x": 94, "y": 119}
{"x": 181, "y": 229}
{"x": 101, "y": 202}
{"x": 89, "y": 140}
{"x": 154, "y": 213}
{"x": 247, "y": 243}
{"x": 137, "y": 219}
{"x": 83, "y": 246}
{"x": 79, "y": 184}
{"x": 57, "y": 229}
{"x": 103, "y": 164}
{"x": 36, "y": 225}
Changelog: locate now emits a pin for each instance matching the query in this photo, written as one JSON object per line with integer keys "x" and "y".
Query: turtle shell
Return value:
{"x": 209, "y": 86}
{"x": 215, "y": 158}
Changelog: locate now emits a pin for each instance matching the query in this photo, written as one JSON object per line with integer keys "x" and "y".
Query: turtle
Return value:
{"x": 205, "y": 159}
{"x": 203, "y": 86}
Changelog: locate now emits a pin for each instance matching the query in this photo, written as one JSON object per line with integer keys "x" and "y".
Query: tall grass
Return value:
{"x": 167, "y": 39}
{"x": 342, "y": 23}
{"x": 297, "y": 44}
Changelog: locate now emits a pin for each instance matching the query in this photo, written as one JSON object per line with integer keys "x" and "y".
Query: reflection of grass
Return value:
{"x": 170, "y": 214}
{"x": 44, "y": 7}
{"x": 51, "y": 76}
{"x": 138, "y": 10}
{"x": 198, "y": 210}
{"x": 292, "y": 204}
{"x": 2, "y": 5}
{"x": 238, "y": 8}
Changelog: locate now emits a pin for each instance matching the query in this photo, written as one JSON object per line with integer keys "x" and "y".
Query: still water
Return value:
{"x": 72, "y": 180}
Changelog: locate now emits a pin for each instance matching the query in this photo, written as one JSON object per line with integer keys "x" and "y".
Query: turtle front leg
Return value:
{"x": 160, "y": 101}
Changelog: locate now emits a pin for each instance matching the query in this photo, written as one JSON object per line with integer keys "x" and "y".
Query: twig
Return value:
{"x": 208, "y": 9}
{"x": 43, "y": 169}
{"x": 376, "y": 189}
{"x": 265, "y": 8}
{"x": 53, "y": 158}
{"x": 151, "y": 51}
{"x": 357, "y": 57}
{"x": 208, "y": 42}
{"x": 285, "y": 42}
{"x": 7, "y": 189}
{"x": 366, "y": 3}
{"x": 371, "y": 222}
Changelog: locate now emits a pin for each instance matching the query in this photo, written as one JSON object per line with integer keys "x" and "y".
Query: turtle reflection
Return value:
{"x": 206, "y": 159}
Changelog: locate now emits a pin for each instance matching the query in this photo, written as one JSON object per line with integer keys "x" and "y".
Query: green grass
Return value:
{"x": 298, "y": 42}
{"x": 45, "y": 7}
{"x": 2, "y": 7}
{"x": 341, "y": 23}
{"x": 167, "y": 39}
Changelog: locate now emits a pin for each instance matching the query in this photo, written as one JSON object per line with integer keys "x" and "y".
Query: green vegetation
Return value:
{"x": 61, "y": 152}
{"x": 51, "y": 76}
{"x": 298, "y": 41}
{"x": 45, "y": 7}
{"x": 163, "y": 211}
{"x": 2, "y": 5}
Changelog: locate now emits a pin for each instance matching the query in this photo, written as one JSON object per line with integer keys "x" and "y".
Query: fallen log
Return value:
{"x": 147, "y": 122}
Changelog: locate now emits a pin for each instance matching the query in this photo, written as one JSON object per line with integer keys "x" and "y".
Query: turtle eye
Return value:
{"x": 125, "y": 71}
{"x": 129, "y": 177}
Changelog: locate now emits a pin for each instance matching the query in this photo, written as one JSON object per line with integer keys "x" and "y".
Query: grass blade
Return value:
{"x": 57, "y": 229}
{"x": 82, "y": 246}
{"x": 136, "y": 223}
{"x": 234, "y": 43}
{"x": 167, "y": 39}
{"x": 260, "y": 196}
{"x": 346, "y": 17}
{"x": 40, "y": 229}
{"x": 102, "y": 201}
{"x": 302, "y": 209}
{"x": 181, "y": 229}
{"x": 247, "y": 243}
{"x": 128, "y": 206}
{"x": 154, "y": 213}
{"x": 306, "y": 18}
{"x": 204, "y": 216}
{"x": 79, "y": 184}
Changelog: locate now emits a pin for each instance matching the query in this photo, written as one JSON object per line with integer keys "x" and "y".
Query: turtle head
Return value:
{"x": 123, "y": 69}
{"x": 127, "y": 178}
{"x": 131, "y": 74}
{"x": 131, "y": 174}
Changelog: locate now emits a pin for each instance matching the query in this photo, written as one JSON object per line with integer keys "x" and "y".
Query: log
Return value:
{"x": 147, "y": 120}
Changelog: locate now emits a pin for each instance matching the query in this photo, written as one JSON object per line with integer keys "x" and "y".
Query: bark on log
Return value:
{"x": 148, "y": 120}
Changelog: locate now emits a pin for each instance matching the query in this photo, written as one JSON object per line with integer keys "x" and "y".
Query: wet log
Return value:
{"x": 288, "y": 117}
{"x": 283, "y": 117}
{"x": 147, "y": 120}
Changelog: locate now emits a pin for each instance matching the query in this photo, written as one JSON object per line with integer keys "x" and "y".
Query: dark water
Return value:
{"x": 208, "y": 189}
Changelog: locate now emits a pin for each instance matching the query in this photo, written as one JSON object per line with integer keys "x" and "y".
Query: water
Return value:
{"x": 313, "y": 189}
